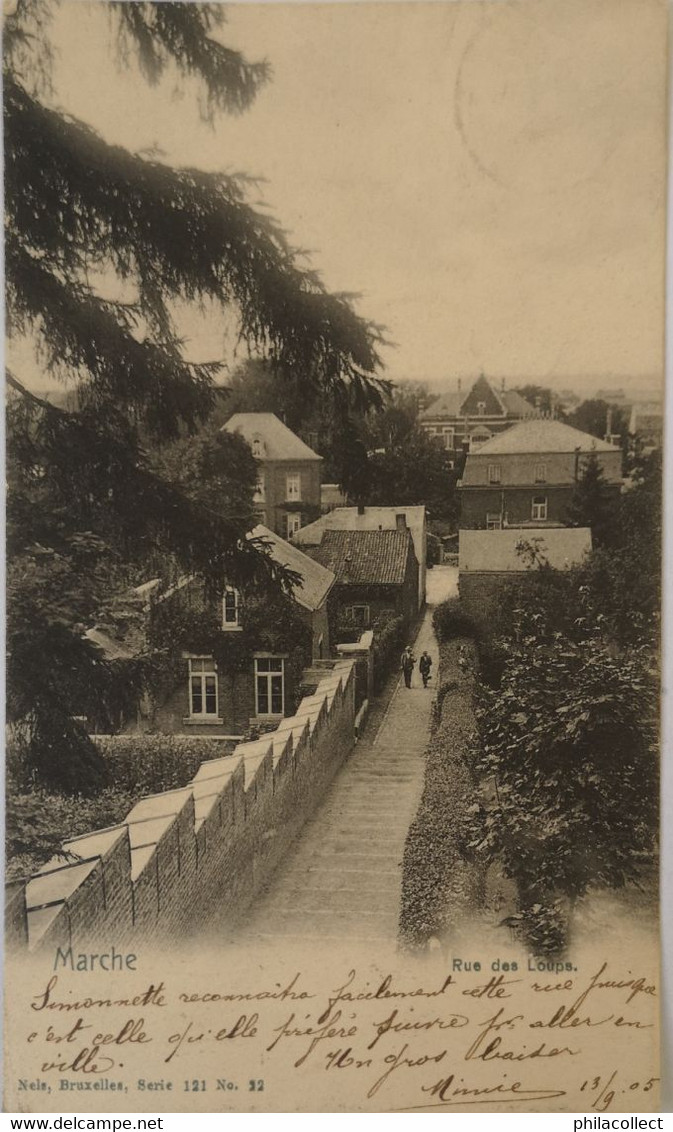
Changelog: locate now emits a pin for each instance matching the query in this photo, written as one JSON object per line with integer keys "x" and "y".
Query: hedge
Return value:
{"x": 440, "y": 883}
{"x": 147, "y": 764}
{"x": 389, "y": 638}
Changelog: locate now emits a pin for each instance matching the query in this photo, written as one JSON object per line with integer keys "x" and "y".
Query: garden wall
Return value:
{"x": 195, "y": 857}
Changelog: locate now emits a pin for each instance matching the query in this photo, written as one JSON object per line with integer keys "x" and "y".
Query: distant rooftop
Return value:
{"x": 542, "y": 436}
{"x": 277, "y": 441}
{"x": 461, "y": 402}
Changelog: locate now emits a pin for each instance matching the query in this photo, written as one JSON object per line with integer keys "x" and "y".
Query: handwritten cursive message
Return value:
{"x": 396, "y": 1039}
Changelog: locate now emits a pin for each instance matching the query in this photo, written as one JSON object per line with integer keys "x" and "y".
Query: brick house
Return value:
{"x": 376, "y": 574}
{"x": 465, "y": 421}
{"x": 526, "y": 476}
{"x": 288, "y": 485}
{"x": 411, "y": 518}
{"x": 258, "y": 675}
{"x": 488, "y": 561}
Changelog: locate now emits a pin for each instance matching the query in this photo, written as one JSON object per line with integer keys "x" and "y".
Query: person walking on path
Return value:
{"x": 407, "y": 665}
{"x": 424, "y": 666}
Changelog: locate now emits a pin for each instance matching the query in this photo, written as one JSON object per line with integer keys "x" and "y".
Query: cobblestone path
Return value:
{"x": 342, "y": 879}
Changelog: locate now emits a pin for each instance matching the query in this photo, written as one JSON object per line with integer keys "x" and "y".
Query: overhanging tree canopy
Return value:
{"x": 79, "y": 209}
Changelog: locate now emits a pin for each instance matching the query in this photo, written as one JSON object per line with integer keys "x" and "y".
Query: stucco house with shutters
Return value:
{"x": 289, "y": 472}
{"x": 526, "y": 476}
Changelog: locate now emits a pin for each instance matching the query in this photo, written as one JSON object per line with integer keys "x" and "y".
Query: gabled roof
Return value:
{"x": 542, "y": 436}
{"x": 368, "y": 519}
{"x": 317, "y": 580}
{"x": 278, "y": 441}
{"x": 365, "y": 557}
{"x": 504, "y": 402}
{"x": 501, "y": 551}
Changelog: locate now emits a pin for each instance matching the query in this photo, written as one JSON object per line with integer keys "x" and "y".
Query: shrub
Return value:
{"x": 37, "y": 823}
{"x": 146, "y": 764}
{"x": 451, "y": 620}
{"x": 570, "y": 742}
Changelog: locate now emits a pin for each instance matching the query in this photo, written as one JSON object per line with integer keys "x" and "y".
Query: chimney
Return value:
{"x": 608, "y": 427}
{"x": 401, "y": 522}
{"x": 361, "y": 508}
{"x": 460, "y": 385}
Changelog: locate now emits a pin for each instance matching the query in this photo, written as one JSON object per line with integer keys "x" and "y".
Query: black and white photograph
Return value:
{"x": 334, "y": 373}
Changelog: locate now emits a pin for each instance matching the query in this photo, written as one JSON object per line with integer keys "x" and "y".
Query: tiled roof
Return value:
{"x": 317, "y": 580}
{"x": 542, "y": 436}
{"x": 278, "y": 441}
{"x": 498, "y": 551}
{"x": 365, "y": 557}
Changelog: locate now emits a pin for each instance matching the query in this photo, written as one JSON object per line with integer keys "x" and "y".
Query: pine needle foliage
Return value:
{"x": 83, "y": 220}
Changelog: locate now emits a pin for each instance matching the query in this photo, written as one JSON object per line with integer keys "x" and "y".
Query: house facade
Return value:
{"x": 488, "y": 561}
{"x": 289, "y": 472}
{"x": 464, "y": 420}
{"x": 411, "y": 518}
{"x": 233, "y": 661}
{"x": 376, "y": 574}
{"x": 526, "y": 476}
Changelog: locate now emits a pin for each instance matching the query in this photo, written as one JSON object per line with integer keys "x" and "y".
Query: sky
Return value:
{"x": 488, "y": 177}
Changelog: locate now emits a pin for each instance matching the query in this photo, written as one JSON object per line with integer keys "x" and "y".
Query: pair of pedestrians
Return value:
{"x": 407, "y": 662}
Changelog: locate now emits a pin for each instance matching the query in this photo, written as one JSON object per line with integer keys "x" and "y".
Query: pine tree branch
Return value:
{"x": 84, "y": 203}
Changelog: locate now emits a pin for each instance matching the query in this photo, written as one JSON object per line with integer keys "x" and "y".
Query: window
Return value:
{"x": 539, "y": 509}
{"x": 478, "y": 437}
{"x": 493, "y": 521}
{"x": 231, "y": 608}
{"x": 448, "y": 438}
{"x": 293, "y": 487}
{"x": 292, "y": 523}
{"x": 540, "y": 473}
{"x": 202, "y": 687}
{"x": 494, "y": 473}
{"x": 260, "y": 490}
{"x": 481, "y": 408}
{"x": 270, "y": 685}
{"x": 257, "y": 447}
{"x": 359, "y": 615}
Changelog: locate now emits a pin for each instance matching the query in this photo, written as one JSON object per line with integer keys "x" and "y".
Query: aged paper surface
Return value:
{"x": 491, "y": 178}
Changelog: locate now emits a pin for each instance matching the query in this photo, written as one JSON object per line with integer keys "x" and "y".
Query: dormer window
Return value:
{"x": 481, "y": 408}
{"x": 231, "y": 609}
{"x": 257, "y": 447}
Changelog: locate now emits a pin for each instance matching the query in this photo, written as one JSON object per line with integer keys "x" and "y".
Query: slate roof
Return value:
{"x": 542, "y": 436}
{"x": 317, "y": 580}
{"x": 279, "y": 442}
{"x": 365, "y": 557}
{"x": 449, "y": 404}
{"x": 496, "y": 551}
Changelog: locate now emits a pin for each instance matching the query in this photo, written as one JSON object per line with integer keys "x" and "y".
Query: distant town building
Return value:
{"x": 526, "y": 476}
{"x": 288, "y": 484}
{"x": 374, "y": 519}
{"x": 465, "y": 419}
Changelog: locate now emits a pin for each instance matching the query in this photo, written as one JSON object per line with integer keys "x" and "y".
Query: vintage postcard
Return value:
{"x": 334, "y": 417}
